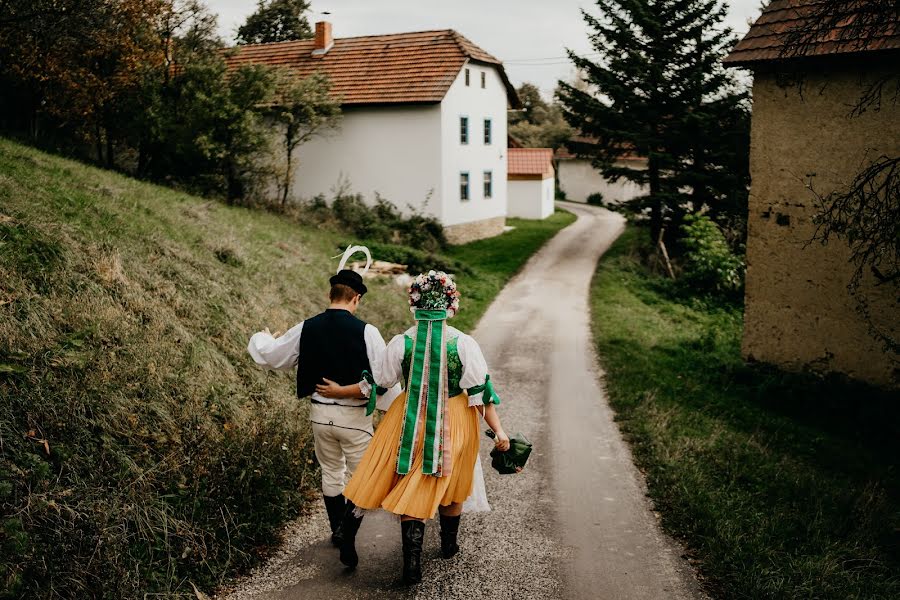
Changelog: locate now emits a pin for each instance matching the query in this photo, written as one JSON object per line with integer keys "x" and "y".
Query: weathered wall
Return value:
{"x": 799, "y": 314}
{"x": 474, "y": 230}
{"x": 578, "y": 179}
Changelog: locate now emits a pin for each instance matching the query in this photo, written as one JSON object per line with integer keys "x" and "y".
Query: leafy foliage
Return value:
{"x": 709, "y": 264}
{"x": 276, "y": 21}
{"x": 539, "y": 124}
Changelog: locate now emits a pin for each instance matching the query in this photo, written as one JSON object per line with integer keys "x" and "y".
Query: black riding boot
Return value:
{"x": 336, "y": 507}
{"x": 349, "y": 527}
{"x": 449, "y": 531}
{"x": 413, "y": 534}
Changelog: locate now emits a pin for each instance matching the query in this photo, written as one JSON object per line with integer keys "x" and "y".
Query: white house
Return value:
{"x": 578, "y": 179}
{"x": 424, "y": 123}
{"x": 531, "y": 182}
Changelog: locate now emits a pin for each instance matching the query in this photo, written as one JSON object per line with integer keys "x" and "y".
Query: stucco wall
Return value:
{"x": 799, "y": 314}
{"x": 477, "y": 104}
{"x": 578, "y": 179}
{"x": 531, "y": 198}
{"x": 395, "y": 151}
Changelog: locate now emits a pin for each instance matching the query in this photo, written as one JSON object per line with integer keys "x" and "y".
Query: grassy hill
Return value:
{"x": 141, "y": 449}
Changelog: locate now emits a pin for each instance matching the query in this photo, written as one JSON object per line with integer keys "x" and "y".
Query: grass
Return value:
{"x": 782, "y": 485}
{"x": 140, "y": 449}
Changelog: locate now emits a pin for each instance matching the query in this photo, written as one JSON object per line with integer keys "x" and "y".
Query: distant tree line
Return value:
{"x": 142, "y": 86}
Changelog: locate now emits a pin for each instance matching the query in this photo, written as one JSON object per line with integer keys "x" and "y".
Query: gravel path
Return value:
{"x": 575, "y": 524}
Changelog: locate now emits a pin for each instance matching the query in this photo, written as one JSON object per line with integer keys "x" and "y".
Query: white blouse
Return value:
{"x": 389, "y": 371}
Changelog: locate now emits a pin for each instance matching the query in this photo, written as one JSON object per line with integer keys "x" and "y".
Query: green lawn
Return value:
{"x": 140, "y": 448}
{"x": 781, "y": 485}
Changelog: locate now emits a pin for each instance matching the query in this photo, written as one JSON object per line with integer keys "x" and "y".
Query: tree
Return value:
{"x": 276, "y": 21}
{"x": 538, "y": 124}
{"x": 657, "y": 90}
{"x": 305, "y": 109}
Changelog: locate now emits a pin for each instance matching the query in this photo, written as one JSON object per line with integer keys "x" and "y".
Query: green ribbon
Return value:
{"x": 487, "y": 387}
{"x": 428, "y": 346}
{"x": 373, "y": 394}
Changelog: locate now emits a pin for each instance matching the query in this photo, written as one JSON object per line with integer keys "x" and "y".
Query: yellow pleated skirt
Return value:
{"x": 376, "y": 484}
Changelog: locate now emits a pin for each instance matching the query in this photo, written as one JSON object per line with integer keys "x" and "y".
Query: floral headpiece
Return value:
{"x": 434, "y": 290}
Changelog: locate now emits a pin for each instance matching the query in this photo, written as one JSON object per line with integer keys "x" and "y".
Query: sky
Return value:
{"x": 529, "y": 36}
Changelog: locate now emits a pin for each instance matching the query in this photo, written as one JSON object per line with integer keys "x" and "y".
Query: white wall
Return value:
{"x": 531, "y": 198}
{"x": 395, "y": 151}
{"x": 578, "y": 179}
{"x": 474, "y": 157}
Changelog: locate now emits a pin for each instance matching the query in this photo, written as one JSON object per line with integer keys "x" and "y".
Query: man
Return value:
{"x": 334, "y": 347}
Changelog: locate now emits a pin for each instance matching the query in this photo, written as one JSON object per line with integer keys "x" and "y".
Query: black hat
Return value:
{"x": 351, "y": 279}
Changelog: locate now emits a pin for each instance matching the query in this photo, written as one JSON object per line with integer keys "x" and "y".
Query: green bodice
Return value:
{"x": 454, "y": 365}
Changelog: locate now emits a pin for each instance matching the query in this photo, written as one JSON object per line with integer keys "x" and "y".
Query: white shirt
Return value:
{"x": 282, "y": 354}
{"x": 388, "y": 371}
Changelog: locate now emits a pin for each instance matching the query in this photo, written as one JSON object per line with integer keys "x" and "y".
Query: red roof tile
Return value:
{"x": 768, "y": 36}
{"x": 399, "y": 68}
{"x": 530, "y": 161}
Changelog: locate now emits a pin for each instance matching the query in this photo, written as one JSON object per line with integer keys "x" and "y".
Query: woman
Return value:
{"x": 423, "y": 455}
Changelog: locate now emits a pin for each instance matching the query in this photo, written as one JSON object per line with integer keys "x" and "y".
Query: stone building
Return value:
{"x": 799, "y": 313}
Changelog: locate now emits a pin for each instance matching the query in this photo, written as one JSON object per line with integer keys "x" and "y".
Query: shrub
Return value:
{"x": 709, "y": 263}
{"x": 595, "y": 199}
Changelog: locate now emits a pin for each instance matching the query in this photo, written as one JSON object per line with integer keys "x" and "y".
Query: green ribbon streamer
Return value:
{"x": 373, "y": 394}
{"x": 487, "y": 387}
{"x": 428, "y": 324}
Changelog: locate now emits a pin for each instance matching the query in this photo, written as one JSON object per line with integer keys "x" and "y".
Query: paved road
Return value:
{"x": 576, "y": 523}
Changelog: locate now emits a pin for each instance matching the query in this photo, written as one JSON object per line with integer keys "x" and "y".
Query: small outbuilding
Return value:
{"x": 579, "y": 179}
{"x": 799, "y": 313}
{"x": 531, "y": 184}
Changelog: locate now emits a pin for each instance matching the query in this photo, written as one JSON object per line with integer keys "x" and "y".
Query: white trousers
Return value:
{"x": 341, "y": 434}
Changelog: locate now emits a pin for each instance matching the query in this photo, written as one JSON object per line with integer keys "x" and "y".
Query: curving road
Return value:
{"x": 576, "y": 523}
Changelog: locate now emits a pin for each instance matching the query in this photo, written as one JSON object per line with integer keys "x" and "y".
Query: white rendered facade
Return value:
{"x": 531, "y": 198}
{"x": 578, "y": 179}
{"x": 411, "y": 154}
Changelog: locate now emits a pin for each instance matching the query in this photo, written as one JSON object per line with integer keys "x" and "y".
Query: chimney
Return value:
{"x": 324, "y": 41}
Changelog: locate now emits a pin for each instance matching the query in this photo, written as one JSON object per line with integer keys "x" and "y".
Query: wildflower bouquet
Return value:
{"x": 434, "y": 290}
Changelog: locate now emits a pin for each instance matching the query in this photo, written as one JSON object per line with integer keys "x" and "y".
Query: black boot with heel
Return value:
{"x": 349, "y": 527}
{"x": 413, "y": 533}
{"x": 449, "y": 533}
{"x": 336, "y": 506}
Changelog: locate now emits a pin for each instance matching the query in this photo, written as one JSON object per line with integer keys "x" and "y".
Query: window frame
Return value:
{"x": 467, "y": 195}
{"x": 487, "y": 180}
{"x": 467, "y": 77}
{"x": 488, "y": 134}
{"x": 464, "y": 134}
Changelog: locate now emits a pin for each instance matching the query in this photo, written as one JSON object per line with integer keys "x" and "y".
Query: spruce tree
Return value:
{"x": 657, "y": 89}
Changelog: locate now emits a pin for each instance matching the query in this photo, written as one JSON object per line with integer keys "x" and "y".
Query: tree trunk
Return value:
{"x": 235, "y": 189}
{"x": 288, "y": 175}
{"x": 110, "y": 159}
{"x": 656, "y": 216}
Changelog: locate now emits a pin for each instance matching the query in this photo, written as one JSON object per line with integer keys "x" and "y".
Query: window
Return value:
{"x": 467, "y": 77}
{"x": 464, "y": 186}
{"x": 483, "y": 77}
{"x": 487, "y": 132}
{"x": 464, "y": 130}
{"x": 488, "y": 184}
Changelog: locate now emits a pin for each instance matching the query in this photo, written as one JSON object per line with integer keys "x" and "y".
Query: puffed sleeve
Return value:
{"x": 389, "y": 370}
{"x": 375, "y": 351}
{"x": 475, "y": 377}
{"x": 279, "y": 354}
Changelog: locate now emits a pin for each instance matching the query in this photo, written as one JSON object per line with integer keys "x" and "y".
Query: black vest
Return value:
{"x": 332, "y": 345}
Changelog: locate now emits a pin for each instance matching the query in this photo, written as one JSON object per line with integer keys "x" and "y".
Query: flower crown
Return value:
{"x": 434, "y": 290}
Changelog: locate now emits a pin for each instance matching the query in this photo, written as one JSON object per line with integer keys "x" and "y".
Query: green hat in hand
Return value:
{"x": 514, "y": 459}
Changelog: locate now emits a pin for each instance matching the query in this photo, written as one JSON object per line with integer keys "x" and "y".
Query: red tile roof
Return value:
{"x": 530, "y": 161}
{"x": 401, "y": 68}
{"x": 768, "y": 36}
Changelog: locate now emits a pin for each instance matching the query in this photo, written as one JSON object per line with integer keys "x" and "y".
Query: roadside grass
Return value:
{"x": 494, "y": 261}
{"x": 781, "y": 485}
{"x": 140, "y": 449}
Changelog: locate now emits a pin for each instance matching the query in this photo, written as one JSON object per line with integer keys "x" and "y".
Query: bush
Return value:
{"x": 709, "y": 263}
{"x": 596, "y": 199}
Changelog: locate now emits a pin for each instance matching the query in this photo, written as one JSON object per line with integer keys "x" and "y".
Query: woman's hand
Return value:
{"x": 501, "y": 441}
{"x": 330, "y": 389}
